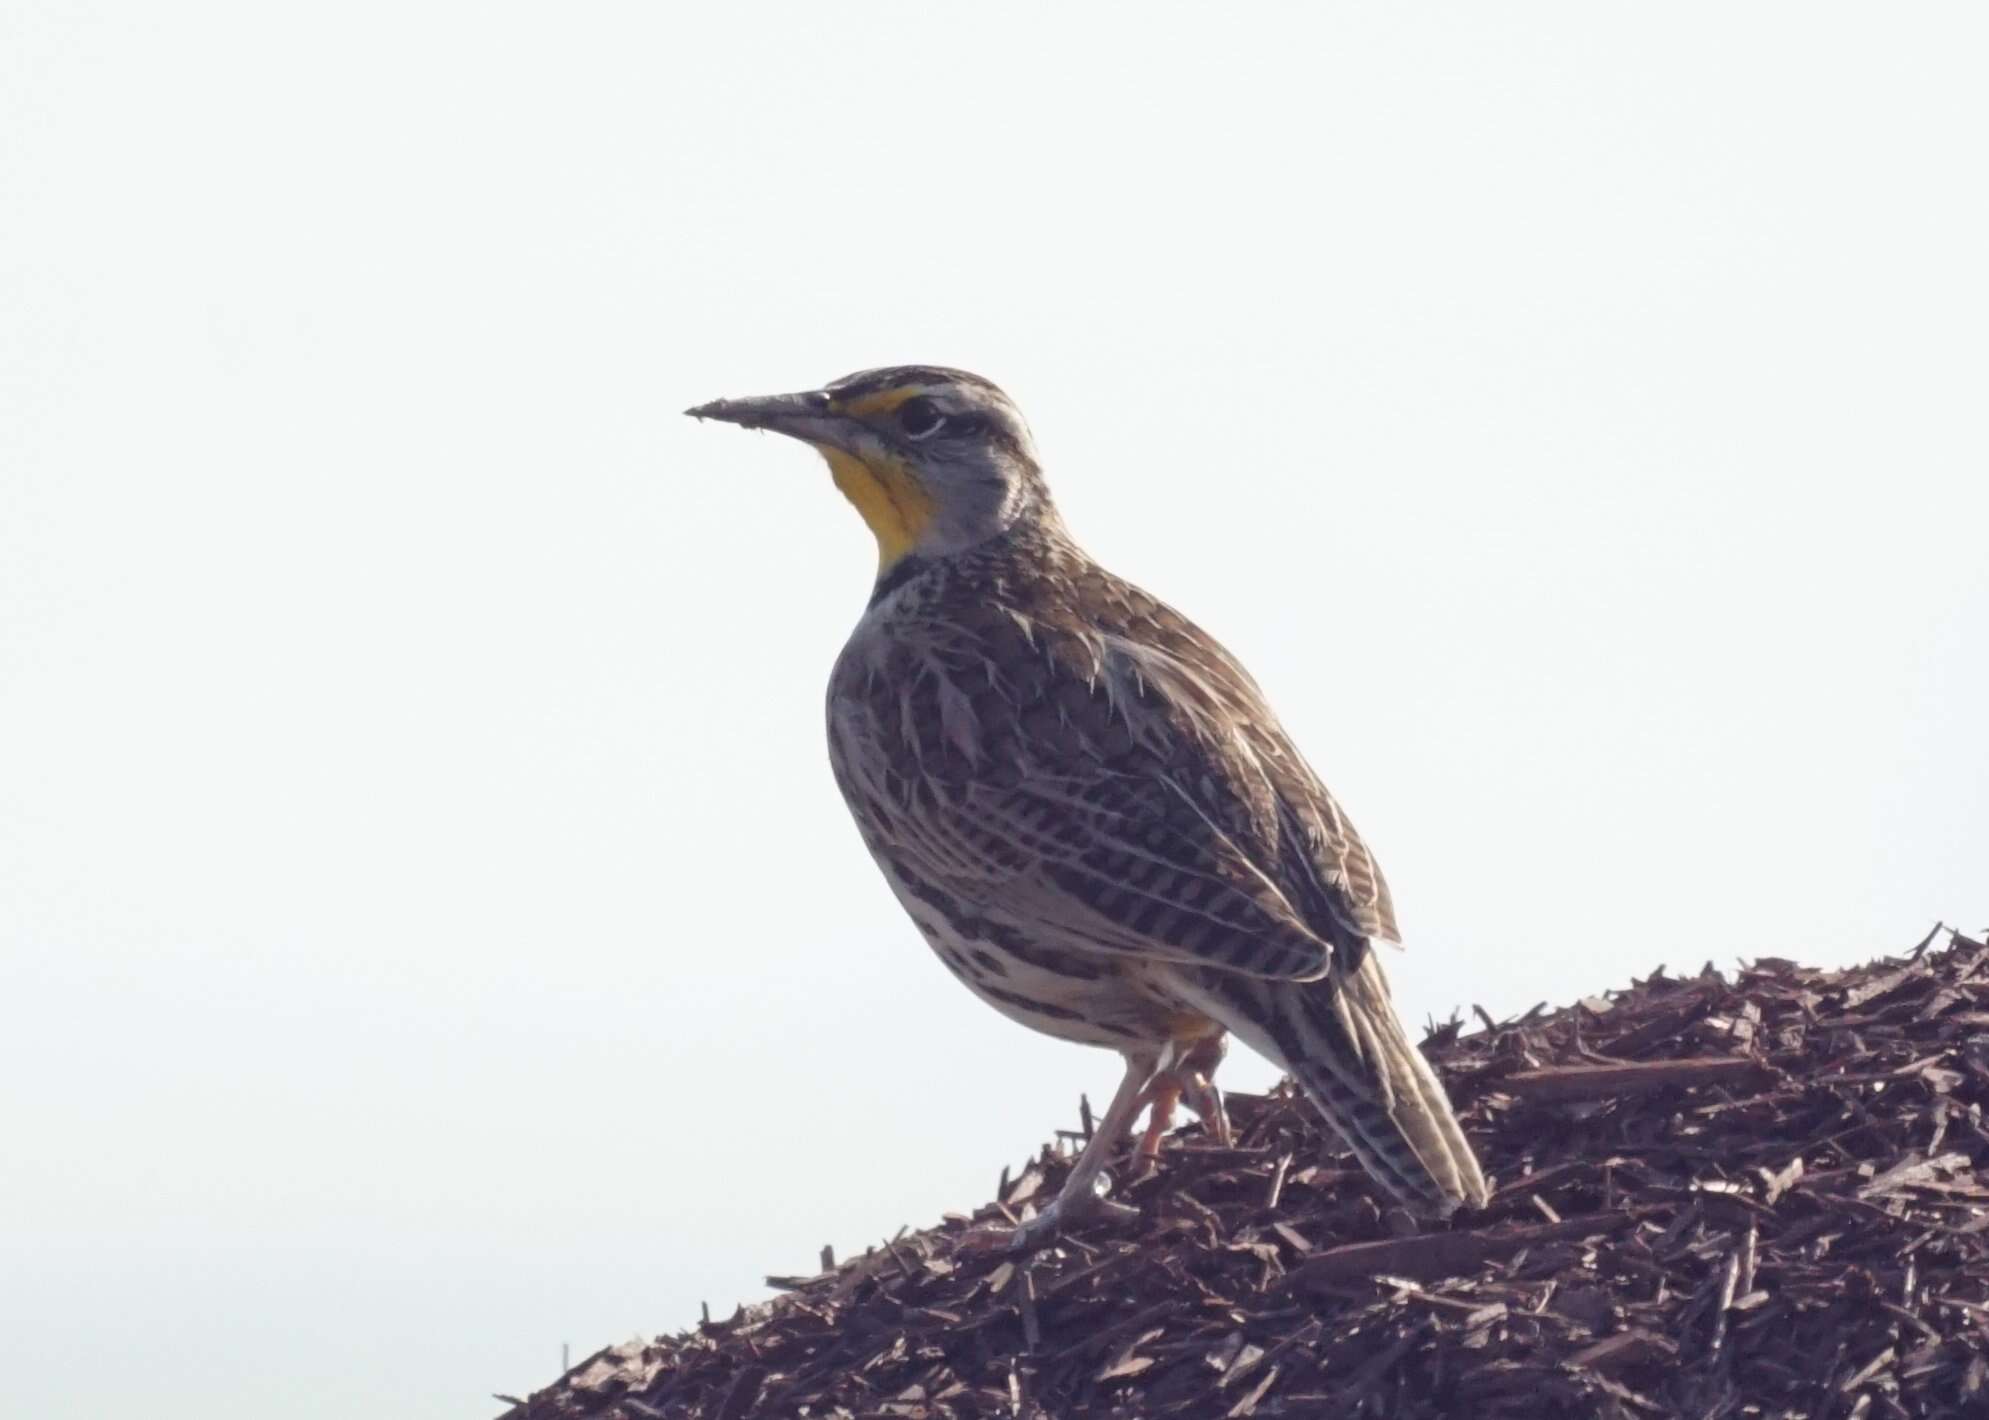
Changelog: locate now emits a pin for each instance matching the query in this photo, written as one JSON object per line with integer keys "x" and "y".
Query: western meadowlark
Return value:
{"x": 1084, "y": 803}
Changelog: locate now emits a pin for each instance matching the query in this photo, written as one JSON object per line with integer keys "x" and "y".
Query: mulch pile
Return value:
{"x": 1756, "y": 1195}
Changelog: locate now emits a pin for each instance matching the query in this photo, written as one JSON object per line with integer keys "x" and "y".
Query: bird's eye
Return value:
{"x": 919, "y": 417}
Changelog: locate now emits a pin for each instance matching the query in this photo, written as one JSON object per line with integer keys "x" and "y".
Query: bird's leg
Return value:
{"x": 1162, "y": 1095}
{"x": 1205, "y": 1099}
{"x": 1197, "y": 1072}
{"x": 1080, "y": 1197}
{"x": 1188, "y": 1082}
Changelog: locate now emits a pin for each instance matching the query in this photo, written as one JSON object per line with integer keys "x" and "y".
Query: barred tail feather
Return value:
{"x": 1343, "y": 1043}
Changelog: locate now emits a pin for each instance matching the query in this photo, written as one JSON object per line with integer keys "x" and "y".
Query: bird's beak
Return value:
{"x": 813, "y": 416}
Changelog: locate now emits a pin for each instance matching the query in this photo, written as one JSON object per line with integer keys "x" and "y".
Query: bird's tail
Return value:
{"x": 1342, "y": 1041}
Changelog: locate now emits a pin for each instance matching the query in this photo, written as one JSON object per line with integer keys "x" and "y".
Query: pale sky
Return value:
{"x": 429, "y": 932}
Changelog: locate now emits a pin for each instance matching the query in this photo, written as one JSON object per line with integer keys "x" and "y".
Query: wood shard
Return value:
{"x": 1604, "y": 1081}
{"x": 1624, "y": 1350}
{"x": 1447, "y": 1254}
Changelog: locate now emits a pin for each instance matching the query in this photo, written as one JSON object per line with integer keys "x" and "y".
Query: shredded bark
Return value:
{"x": 1756, "y": 1195}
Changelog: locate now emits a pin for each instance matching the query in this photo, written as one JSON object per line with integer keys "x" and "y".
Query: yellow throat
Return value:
{"x": 891, "y": 499}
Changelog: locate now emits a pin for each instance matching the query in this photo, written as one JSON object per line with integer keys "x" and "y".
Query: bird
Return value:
{"x": 1086, "y": 805}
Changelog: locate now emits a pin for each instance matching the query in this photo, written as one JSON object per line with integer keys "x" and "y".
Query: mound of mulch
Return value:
{"x": 1748, "y": 1195}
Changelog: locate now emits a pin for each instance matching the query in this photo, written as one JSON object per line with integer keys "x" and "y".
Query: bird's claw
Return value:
{"x": 1067, "y": 1209}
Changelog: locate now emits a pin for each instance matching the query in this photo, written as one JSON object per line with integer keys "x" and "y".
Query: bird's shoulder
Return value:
{"x": 1030, "y": 648}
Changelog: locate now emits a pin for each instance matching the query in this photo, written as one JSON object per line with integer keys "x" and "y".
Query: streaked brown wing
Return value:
{"x": 1314, "y": 855}
{"x": 1200, "y": 836}
{"x": 1124, "y": 863}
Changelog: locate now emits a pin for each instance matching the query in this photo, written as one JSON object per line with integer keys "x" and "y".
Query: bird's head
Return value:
{"x": 935, "y": 460}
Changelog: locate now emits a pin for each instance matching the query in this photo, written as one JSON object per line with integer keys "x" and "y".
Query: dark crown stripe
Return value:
{"x": 865, "y": 382}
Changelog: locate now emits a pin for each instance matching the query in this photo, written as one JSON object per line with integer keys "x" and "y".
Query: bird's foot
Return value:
{"x": 1194, "y": 1089}
{"x": 1082, "y": 1204}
